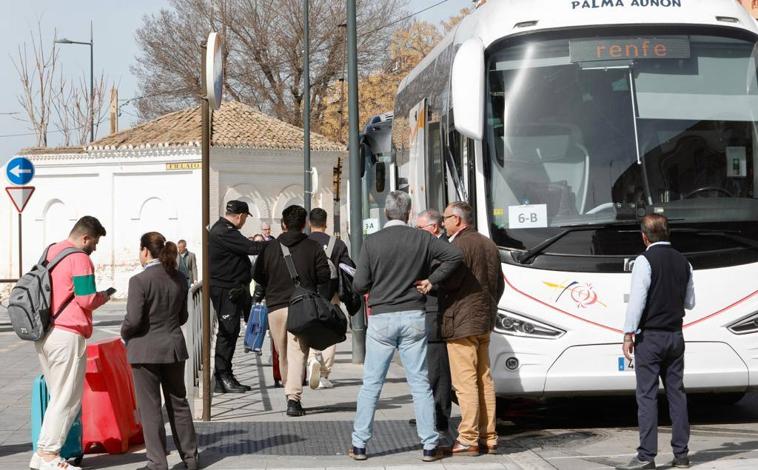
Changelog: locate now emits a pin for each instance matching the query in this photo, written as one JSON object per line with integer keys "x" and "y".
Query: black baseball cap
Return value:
{"x": 237, "y": 207}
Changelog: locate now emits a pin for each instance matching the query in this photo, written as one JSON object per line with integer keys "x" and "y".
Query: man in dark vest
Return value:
{"x": 662, "y": 288}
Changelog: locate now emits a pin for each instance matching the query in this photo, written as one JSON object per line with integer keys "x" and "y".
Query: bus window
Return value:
{"x": 435, "y": 180}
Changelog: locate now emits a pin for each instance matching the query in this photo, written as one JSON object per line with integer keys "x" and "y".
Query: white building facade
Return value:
{"x": 149, "y": 179}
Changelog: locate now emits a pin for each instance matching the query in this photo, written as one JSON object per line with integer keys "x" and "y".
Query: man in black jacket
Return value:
{"x": 436, "y": 353}
{"x": 271, "y": 272}
{"x": 230, "y": 276}
{"x": 336, "y": 251}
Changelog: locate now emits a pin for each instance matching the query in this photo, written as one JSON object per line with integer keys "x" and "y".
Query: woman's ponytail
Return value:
{"x": 160, "y": 249}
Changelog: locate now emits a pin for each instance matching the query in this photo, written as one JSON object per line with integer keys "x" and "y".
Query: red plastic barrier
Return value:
{"x": 110, "y": 421}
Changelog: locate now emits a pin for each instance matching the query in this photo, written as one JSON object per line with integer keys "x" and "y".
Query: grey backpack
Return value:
{"x": 31, "y": 298}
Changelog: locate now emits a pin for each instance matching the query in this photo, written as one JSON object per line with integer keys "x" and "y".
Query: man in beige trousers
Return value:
{"x": 469, "y": 301}
{"x": 271, "y": 272}
{"x": 62, "y": 352}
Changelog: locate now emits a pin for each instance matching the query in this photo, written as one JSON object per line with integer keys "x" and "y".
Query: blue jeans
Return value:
{"x": 406, "y": 332}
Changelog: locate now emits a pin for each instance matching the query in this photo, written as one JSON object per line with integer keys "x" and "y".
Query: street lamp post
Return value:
{"x": 91, "y": 45}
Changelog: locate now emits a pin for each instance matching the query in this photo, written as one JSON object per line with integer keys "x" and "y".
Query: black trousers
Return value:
{"x": 148, "y": 381}
{"x": 438, "y": 364}
{"x": 660, "y": 354}
{"x": 229, "y": 315}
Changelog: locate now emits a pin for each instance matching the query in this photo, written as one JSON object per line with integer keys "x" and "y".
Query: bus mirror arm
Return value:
{"x": 467, "y": 89}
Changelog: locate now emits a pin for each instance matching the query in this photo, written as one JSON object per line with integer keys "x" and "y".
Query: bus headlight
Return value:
{"x": 746, "y": 325}
{"x": 509, "y": 323}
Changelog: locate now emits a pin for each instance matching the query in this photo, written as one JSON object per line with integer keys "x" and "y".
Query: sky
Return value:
{"x": 114, "y": 24}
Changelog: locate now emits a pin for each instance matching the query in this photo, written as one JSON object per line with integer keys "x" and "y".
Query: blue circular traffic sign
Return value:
{"x": 19, "y": 170}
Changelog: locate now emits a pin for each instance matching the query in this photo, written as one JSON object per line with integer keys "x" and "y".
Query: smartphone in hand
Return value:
{"x": 110, "y": 291}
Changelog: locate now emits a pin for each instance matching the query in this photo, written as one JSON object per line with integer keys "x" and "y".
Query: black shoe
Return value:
{"x": 193, "y": 463}
{"x": 238, "y": 384}
{"x": 412, "y": 421}
{"x": 434, "y": 454}
{"x": 294, "y": 408}
{"x": 277, "y": 384}
{"x": 357, "y": 453}
{"x": 681, "y": 462}
{"x": 637, "y": 464}
{"x": 224, "y": 384}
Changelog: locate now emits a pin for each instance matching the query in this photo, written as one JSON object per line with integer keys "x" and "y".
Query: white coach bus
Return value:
{"x": 563, "y": 122}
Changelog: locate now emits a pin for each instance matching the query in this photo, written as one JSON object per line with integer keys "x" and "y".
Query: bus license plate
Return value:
{"x": 625, "y": 365}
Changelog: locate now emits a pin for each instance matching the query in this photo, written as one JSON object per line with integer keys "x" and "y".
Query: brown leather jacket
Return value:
{"x": 469, "y": 297}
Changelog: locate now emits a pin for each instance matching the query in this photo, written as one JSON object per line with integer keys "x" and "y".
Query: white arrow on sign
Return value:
{"x": 18, "y": 171}
{"x": 20, "y": 196}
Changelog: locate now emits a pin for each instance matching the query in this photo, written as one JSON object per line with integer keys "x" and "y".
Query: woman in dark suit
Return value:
{"x": 155, "y": 311}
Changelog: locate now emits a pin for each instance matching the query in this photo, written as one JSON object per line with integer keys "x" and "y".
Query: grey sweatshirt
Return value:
{"x": 393, "y": 259}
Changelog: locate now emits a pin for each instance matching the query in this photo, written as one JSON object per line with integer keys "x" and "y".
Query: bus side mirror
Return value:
{"x": 468, "y": 89}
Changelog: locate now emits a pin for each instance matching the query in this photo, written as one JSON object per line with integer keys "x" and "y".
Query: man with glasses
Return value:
{"x": 469, "y": 303}
{"x": 436, "y": 352}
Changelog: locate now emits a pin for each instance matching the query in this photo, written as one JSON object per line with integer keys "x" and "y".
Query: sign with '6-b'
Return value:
{"x": 527, "y": 216}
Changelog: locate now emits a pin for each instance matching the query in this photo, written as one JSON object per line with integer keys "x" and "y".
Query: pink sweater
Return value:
{"x": 74, "y": 274}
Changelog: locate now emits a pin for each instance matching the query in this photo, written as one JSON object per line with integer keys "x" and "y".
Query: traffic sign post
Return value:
{"x": 19, "y": 171}
{"x": 20, "y": 196}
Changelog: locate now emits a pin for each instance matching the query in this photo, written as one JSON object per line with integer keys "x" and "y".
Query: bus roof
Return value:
{"x": 497, "y": 19}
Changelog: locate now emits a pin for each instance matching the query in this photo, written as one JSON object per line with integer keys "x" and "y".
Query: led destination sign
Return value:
{"x": 590, "y": 50}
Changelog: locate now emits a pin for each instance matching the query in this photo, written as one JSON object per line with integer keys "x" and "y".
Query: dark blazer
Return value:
{"x": 433, "y": 313}
{"x": 191, "y": 261}
{"x": 155, "y": 310}
{"x": 469, "y": 298}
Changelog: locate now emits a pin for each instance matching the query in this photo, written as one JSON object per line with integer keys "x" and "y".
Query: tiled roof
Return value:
{"x": 51, "y": 150}
{"x": 234, "y": 125}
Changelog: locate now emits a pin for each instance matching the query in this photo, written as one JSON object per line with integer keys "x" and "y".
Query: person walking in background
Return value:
{"x": 271, "y": 272}
{"x": 155, "y": 311}
{"x": 336, "y": 252}
{"x": 395, "y": 268}
{"x": 230, "y": 277}
{"x": 266, "y": 231}
{"x": 662, "y": 288}
{"x": 469, "y": 303}
{"x": 187, "y": 262}
{"x": 436, "y": 352}
{"x": 62, "y": 352}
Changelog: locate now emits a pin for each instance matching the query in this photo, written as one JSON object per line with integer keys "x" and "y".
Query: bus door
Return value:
{"x": 417, "y": 184}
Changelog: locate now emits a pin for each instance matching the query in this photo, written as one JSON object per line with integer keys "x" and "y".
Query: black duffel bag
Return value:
{"x": 316, "y": 322}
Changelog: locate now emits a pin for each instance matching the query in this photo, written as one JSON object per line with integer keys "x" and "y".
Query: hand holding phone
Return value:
{"x": 110, "y": 291}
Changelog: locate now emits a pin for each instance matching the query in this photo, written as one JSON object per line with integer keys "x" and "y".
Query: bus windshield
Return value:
{"x": 601, "y": 130}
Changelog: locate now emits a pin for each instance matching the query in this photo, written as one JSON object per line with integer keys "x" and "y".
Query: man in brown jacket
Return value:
{"x": 469, "y": 300}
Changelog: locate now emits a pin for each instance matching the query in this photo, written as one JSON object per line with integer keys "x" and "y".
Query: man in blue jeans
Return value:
{"x": 397, "y": 277}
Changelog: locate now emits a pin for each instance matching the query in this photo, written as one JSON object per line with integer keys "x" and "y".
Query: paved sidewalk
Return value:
{"x": 251, "y": 431}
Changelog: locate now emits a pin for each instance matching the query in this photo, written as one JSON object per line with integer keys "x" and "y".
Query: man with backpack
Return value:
{"x": 271, "y": 271}
{"x": 336, "y": 254}
{"x": 62, "y": 350}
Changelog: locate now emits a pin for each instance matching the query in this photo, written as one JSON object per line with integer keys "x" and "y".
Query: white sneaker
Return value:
{"x": 325, "y": 383}
{"x": 57, "y": 463}
{"x": 314, "y": 373}
{"x": 35, "y": 461}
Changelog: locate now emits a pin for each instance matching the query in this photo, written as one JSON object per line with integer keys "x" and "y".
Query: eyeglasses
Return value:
{"x": 448, "y": 216}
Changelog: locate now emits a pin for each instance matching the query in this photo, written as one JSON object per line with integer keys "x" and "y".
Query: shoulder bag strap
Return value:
{"x": 43, "y": 258}
{"x": 330, "y": 247}
{"x": 290, "y": 264}
{"x": 53, "y": 263}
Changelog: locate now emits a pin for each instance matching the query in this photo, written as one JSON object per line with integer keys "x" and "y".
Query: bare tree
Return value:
{"x": 80, "y": 111}
{"x": 36, "y": 72}
{"x": 263, "y": 51}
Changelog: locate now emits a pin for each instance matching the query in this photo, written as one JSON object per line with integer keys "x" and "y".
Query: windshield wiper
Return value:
{"x": 528, "y": 255}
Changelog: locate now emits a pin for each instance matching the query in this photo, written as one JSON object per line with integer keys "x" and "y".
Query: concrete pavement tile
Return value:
{"x": 472, "y": 466}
